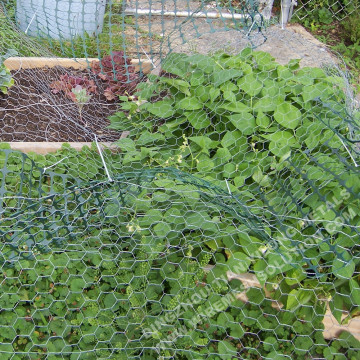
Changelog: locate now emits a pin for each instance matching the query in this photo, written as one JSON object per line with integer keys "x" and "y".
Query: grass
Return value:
{"x": 11, "y": 38}
{"x": 110, "y": 39}
{"x": 343, "y": 38}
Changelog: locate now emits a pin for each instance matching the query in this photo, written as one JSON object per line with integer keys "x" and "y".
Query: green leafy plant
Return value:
{"x": 324, "y": 11}
{"x": 6, "y": 79}
{"x": 81, "y": 97}
{"x": 352, "y": 28}
{"x": 159, "y": 249}
{"x": 225, "y": 153}
{"x": 260, "y": 126}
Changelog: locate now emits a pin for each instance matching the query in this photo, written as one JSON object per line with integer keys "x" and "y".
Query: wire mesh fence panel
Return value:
{"x": 206, "y": 205}
{"x": 326, "y": 11}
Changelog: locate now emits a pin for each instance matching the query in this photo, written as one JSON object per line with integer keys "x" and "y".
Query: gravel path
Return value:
{"x": 157, "y": 35}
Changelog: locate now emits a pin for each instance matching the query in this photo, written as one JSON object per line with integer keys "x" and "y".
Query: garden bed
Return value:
{"x": 31, "y": 113}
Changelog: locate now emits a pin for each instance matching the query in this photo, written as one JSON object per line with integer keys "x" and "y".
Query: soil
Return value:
{"x": 31, "y": 112}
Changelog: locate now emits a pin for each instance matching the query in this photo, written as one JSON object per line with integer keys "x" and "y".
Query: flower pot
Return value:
{"x": 60, "y": 19}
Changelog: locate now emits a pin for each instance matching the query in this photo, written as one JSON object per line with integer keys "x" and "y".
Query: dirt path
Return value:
{"x": 157, "y": 35}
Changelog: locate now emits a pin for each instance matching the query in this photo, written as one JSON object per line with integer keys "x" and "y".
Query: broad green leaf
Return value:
{"x": 273, "y": 88}
{"x": 284, "y": 72}
{"x": 204, "y": 142}
{"x": 336, "y": 306}
{"x": 221, "y": 76}
{"x": 298, "y": 297}
{"x": 233, "y": 137}
{"x": 205, "y": 165}
{"x": 281, "y": 142}
{"x": 200, "y": 220}
{"x": 222, "y": 155}
{"x": 308, "y": 75}
{"x": 236, "y": 331}
{"x": 226, "y": 350}
{"x": 229, "y": 96}
{"x": 237, "y": 107}
{"x": 198, "y": 119}
{"x": 260, "y": 178}
{"x": 223, "y": 319}
{"x": 179, "y": 84}
{"x": 263, "y": 58}
{"x": 229, "y": 86}
{"x": 238, "y": 263}
{"x": 162, "y": 229}
{"x": 77, "y": 284}
{"x": 109, "y": 300}
{"x": 152, "y": 216}
{"x": 176, "y": 63}
{"x": 343, "y": 267}
{"x": 310, "y": 92}
{"x": 197, "y": 78}
{"x": 355, "y": 292}
{"x": 294, "y": 64}
{"x": 255, "y": 295}
{"x": 295, "y": 276}
{"x": 202, "y": 92}
{"x": 202, "y": 62}
{"x": 274, "y": 355}
{"x": 214, "y": 93}
{"x": 126, "y": 144}
{"x": 287, "y": 115}
{"x": 229, "y": 170}
{"x": 245, "y": 122}
{"x": 265, "y": 104}
{"x": 260, "y": 271}
{"x": 262, "y": 120}
{"x": 250, "y": 85}
{"x": 170, "y": 125}
{"x": 149, "y": 138}
{"x": 189, "y": 103}
{"x": 278, "y": 263}
{"x": 162, "y": 109}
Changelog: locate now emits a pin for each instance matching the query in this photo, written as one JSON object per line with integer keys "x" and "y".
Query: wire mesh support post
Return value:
{"x": 102, "y": 159}
{"x": 287, "y": 8}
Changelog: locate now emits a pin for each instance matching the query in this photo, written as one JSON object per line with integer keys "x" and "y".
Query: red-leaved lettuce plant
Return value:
{"x": 68, "y": 83}
{"x": 119, "y": 75}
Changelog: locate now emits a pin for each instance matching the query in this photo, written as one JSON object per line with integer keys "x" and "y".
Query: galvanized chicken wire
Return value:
{"x": 222, "y": 222}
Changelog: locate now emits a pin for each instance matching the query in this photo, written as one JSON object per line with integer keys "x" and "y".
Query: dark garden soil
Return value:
{"x": 31, "y": 112}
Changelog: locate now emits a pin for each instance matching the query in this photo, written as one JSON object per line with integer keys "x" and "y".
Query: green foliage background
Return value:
{"x": 225, "y": 155}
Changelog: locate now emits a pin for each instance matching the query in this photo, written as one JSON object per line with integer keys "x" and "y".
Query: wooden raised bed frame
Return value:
{"x": 17, "y": 63}
{"x": 332, "y": 327}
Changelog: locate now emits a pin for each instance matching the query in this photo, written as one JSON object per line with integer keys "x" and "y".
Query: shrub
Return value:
{"x": 6, "y": 79}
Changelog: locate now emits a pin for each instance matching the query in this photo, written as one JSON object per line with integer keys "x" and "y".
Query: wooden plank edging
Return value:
{"x": 44, "y": 148}
{"x": 17, "y": 63}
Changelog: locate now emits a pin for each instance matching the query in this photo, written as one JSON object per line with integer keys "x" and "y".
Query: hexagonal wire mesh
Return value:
{"x": 223, "y": 224}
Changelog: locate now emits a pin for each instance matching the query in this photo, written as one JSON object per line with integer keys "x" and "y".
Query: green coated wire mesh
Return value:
{"x": 214, "y": 211}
